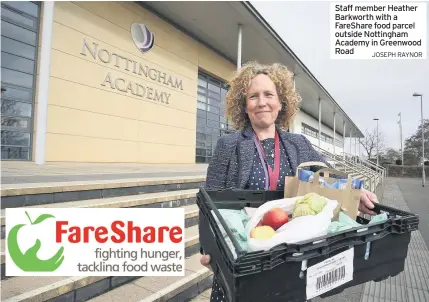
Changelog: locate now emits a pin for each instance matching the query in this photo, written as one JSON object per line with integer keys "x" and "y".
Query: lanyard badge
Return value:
{"x": 271, "y": 176}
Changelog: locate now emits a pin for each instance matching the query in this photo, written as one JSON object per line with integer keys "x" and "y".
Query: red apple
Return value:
{"x": 259, "y": 223}
{"x": 275, "y": 218}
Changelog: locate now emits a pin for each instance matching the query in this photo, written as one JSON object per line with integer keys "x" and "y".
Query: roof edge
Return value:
{"x": 262, "y": 20}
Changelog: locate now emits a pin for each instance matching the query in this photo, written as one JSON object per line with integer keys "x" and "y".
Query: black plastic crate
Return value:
{"x": 380, "y": 250}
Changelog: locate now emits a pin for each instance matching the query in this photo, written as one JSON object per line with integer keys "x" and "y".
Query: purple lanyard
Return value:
{"x": 258, "y": 147}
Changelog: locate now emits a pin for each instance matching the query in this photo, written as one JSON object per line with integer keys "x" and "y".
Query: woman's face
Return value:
{"x": 262, "y": 102}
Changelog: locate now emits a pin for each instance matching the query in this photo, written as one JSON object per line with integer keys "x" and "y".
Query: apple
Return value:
{"x": 275, "y": 218}
{"x": 29, "y": 261}
{"x": 260, "y": 223}
{"x": 263, "y": 232}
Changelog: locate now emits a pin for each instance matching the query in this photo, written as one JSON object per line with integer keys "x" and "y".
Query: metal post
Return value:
{"x": 44, "y": 76}
{"x": 294, "y": 87}
{"x": 351, "y": 142}
{"x": 423, "y": 138}
{"x": 400, "y": 137}
{"x": 359, "y": 147}
{"x": 423, "y": 142}
{"x": 377, "y": 138}
{"x": 356, "y": 149}
{"x": 240, "y": 37}
{"x": 344, "y": 141}
{"x": 378, "y": 151}
{"x": 320, "y": 119}
{"x": 334, "y": 134}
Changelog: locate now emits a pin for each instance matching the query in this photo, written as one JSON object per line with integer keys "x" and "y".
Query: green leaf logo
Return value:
{"x": 28, "y": 261}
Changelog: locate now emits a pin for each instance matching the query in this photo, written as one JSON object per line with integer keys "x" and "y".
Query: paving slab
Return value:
{"x": 417, "y": 199}
{"x": 412, "y": 284}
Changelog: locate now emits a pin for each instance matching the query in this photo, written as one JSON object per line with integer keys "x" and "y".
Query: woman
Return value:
{"x": 262, "y": 103}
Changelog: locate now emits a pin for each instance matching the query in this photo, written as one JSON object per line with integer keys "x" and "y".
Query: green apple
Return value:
{"x": 28, "y": 261}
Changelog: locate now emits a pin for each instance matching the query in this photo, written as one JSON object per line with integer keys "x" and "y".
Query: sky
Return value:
{"x": 365, "y": 89}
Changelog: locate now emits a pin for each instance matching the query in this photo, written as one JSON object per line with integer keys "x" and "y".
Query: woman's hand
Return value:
{"x": 367, "y": 200}
{"x": 205, "y": 260}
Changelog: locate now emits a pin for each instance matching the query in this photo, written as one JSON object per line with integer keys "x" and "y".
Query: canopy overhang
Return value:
{"x": 215, "y": 24}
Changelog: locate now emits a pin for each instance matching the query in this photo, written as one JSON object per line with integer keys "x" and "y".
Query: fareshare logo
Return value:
{"x": 95, "y": 242}
{"x": 29, "y": 261}
{"x": 143, "y": 38}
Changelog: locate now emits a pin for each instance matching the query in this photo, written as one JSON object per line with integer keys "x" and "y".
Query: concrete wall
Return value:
{"x": 303, "y": 117}
{"x": 93, "y": 117}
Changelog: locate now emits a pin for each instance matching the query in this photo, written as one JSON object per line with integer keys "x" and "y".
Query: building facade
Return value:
{"x": 117, "y": 84}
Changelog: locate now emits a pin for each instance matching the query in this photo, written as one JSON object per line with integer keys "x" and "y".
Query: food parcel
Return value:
{"x": 303, "y": 242}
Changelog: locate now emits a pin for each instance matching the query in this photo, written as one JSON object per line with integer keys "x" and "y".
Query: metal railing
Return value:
{"x": 356, "y": 167}
{"x": 381, "y": 171}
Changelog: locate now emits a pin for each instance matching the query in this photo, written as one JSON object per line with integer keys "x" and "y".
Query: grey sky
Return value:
{"x": 365, "y": 89}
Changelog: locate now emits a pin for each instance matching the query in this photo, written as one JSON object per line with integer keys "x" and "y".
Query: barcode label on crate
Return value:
{"x": 331, "y": 277}
{"x": 330, "y": 273}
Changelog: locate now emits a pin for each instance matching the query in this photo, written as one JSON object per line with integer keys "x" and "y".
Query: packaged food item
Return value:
{"x": 340, "y": 184}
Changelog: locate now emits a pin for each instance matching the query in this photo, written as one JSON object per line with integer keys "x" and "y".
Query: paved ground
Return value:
{"x": 417, "y": 199}
{"x": 28, "y": 172}
{"x": 412, "y": 285}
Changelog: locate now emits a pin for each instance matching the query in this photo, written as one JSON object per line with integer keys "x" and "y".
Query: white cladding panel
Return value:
{"x": 302, "y": 117}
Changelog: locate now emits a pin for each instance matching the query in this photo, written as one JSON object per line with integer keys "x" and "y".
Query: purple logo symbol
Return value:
{"x": 142, "y": 37}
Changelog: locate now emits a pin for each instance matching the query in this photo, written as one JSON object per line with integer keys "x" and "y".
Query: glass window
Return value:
{"x": 214, "y": 88}
{"x": 211, "y": 100}
{"x": 14, "y": 122}
{"x": 212, "y": 116}
{"x": 15, "y": 153}
{"x": 18, "y": 48}
{"x": 18, "y": 18}
{"x": 202, "y": 90}
{"x": 214, "y": 124}
{"x": 16, "y": 78}
{"x": 202, "y": 82}
{"x": 15, "y": 138}
{"x": 201, "y": 113}
{"x": 200, "y": 159}
{"x": 16, "y": 94}
{"x": 223, "y": 93}
{"x": 213, "y": 109}
{"x": 14, "y": 108}
{"x": 18, "y": 33}
{"x": 29, "y": 8}
{"x": 202, "y": 98}
{"x": 19, "y": 25}
{"x": 201, "y": 152}
{"x": 17, "y": 63}
{"x": 201, "y": 136}
{"x": 214, "y": 95}
{"x": 201, "y": 121}
{"x": 214, "y": 102}
{"x": 201, "y": 106}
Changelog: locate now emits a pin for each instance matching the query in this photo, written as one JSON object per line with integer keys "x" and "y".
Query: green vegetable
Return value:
{"x": 310, "y": 204}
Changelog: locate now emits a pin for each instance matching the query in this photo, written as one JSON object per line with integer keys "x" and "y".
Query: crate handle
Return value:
{"x": 209, "y": 202}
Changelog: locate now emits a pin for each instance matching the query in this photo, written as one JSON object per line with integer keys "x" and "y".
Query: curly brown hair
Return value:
{"x": 238, "y": 86}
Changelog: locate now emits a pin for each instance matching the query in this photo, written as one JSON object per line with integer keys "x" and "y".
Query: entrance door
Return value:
{"x": 19, "y": 41}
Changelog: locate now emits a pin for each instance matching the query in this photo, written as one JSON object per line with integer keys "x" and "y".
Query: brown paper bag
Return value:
{"x": 347, "y": 198}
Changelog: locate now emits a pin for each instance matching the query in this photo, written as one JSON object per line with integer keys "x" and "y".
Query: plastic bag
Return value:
{"x": 236, "y": 221}
{"x": 307, "y": 176}
{"x": 295, "y": 230}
